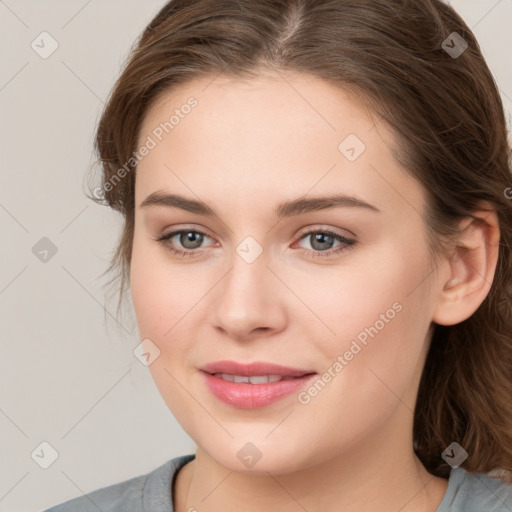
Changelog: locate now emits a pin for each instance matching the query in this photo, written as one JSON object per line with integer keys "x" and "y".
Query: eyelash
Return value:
{"x": 346, "y": 243}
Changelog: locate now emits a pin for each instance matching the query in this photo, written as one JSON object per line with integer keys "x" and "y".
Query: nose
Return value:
{"x": 248, "y": 302}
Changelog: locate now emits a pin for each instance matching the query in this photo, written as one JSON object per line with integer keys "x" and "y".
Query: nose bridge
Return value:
{"x": 248, "y": 298}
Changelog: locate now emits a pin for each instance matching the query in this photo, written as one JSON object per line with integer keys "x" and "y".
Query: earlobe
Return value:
{"x": 470, "y": 269}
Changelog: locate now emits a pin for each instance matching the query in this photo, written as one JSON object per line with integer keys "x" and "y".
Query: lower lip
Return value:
{"x": 251, "y": 396}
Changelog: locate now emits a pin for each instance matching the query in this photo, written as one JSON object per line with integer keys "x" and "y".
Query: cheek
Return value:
{"x": 381, "y": 318}
{"x": 367, "y": 291}
{"x": 162, "y": 292}
{"x": 163, "y": 297}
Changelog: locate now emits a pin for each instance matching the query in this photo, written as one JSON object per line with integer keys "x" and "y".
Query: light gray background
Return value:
{"x": 65, "y": 377}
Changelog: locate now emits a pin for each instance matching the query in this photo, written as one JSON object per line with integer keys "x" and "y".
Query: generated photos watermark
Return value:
{"x": 356, "y": 346}
{"x": 149, "y": 144}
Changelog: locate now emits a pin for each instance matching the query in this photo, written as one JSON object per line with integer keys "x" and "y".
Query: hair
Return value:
{"x": 448, "y": 118}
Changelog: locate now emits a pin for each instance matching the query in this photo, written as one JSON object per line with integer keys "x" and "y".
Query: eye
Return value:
{"x": 189, "y": 239}
{"x": 322, "y": 242}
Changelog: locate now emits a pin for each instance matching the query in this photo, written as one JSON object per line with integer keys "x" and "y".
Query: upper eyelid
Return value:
{"x": 310, "y": 229}
{"x": 175, "y": 231}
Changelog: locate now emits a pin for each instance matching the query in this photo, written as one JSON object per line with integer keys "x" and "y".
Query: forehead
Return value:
{"x": 297, "y": 105}
{"x": 290, "y": 134}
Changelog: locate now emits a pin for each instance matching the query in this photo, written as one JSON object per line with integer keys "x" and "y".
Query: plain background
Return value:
{"x": 67, "y": 377}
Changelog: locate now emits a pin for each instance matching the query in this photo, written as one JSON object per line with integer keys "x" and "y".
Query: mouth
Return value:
{"x": 254, "y": 369}
{"x": 254, "y": 385}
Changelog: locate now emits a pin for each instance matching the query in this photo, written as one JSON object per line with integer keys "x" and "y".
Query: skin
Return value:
{"x": 245, "y": 148}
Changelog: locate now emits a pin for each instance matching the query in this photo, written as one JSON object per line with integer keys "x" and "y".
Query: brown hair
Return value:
{"x": 447, "y": 115}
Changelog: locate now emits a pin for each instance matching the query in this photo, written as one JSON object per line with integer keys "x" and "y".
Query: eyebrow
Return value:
{"x": 285, "y": 209}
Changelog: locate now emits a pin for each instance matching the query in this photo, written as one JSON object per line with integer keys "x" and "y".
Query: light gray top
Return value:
{"x": 466, "y": 492}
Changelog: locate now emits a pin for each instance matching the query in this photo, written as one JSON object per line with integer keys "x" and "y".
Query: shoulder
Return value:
{"x": 149, "y": 492}
{"x": 475, "y": 492}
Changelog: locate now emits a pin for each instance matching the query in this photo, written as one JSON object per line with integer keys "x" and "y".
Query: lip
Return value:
{"x": 252, "y": 396}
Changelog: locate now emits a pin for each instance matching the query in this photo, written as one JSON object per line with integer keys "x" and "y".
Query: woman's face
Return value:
{"x": 279, "y": 271}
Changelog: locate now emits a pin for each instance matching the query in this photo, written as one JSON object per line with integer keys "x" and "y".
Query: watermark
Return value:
{"x": 146, "y": 352}
{"x": 149, "y": 144}
{"x": 249, "y": 454}
{"x": 351, "y": 147}
{"x": 44, "y": 45}
{"x": 249, "y": 249}
{"x": 454, "y": 45}
{"x": 454, "y": 455}
{"x": 356, "y": 346}
{"x": 44, "y": 455}
{"x": 44, "y": 250}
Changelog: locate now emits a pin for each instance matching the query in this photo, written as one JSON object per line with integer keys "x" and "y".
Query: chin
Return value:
{"x": 261, "y": 456}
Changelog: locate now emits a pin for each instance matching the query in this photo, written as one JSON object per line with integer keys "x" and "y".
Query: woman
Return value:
{"x": 317, "y": 241}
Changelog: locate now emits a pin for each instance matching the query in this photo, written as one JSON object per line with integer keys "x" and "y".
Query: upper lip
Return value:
{"x": 251, "y": 369}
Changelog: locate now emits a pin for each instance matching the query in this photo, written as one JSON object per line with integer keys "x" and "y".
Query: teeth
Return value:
{"x": 253, "y": 379}
{"x": 264, "y": 379}
{"x": 276, "y": 378}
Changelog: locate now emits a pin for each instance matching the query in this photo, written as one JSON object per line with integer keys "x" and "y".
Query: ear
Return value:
{"x": 470, "y": 268}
